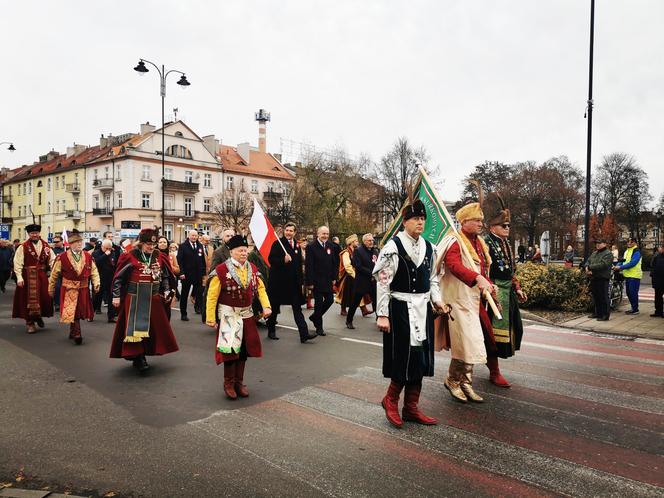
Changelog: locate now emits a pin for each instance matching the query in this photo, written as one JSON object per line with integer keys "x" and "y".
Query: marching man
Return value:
{"x": 32, "y": 261}
{"x": 407, "y": 289}
{"x": 229, "y": 298}
{"x": 77, "y": 269}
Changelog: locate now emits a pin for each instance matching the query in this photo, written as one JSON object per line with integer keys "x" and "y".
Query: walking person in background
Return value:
{"x": 569, "y": 257}
{"x": 6, "y": 258}
{"x": 364, "y": 260}
{"x": 616, "y": 253}
{"x": 57, "y": 248}
{"x": 306, "y": 290}
{"x": 105, "y": 261}
{"x": 537, "y": 255}
{"x": 321, "y": 275}
{"x": 222, "y": 253}
{"x": 346, "y": 274}
{"x": 599, "y": 271}
{"x": 657, "y": 275}
{"x": 191, "y": 260}
{"x": 632, "y": 272}
{"x": 162, "y": 247}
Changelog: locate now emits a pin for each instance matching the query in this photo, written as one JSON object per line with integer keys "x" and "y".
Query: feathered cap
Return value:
{"x": 148, "y": 235}
{"x": 74, "y": 236}
{"x": 495, "y": 210}
{"x": 414, "y": 207}
{"x": 473, "y": 210}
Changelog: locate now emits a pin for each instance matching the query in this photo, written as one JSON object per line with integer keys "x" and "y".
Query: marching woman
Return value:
{"x": 141, "y": 291}
{"x": 229, "y": 299}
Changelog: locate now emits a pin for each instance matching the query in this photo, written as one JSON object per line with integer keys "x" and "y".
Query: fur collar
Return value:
{"x": 463, "y": 239}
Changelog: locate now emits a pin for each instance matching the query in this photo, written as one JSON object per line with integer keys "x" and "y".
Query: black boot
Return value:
{"x": 141, "y": 364}
{"x": 272, "y": 334}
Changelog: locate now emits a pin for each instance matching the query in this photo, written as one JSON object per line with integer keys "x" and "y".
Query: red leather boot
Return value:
{"x": 411, "y": 413}
{"x": 240, "y": 388}
{"x": 391, "y": 404}
{"x": 229, "y": 380}
{"x": 75, "y": 332}
{"x": 495, "y": 376}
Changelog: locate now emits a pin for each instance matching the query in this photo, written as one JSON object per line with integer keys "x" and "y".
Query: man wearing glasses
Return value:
{"x": 507, "y": 331}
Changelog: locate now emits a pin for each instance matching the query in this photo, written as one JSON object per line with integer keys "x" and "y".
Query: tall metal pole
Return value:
{"x": 163, "y": 152}
{"x": 586, "y": 238}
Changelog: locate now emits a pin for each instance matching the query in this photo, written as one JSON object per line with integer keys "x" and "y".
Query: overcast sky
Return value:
{"x": 469, "y": 80}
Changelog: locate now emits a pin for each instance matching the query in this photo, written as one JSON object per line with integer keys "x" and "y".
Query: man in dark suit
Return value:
{"x": 191, "y": 259}
{"x": 105, "y": 260}
{"x": 285, "y": 283}
{"x": 222, "y": 253}
{"x": 363, "y": 260}
{"x": 321, "y": 271}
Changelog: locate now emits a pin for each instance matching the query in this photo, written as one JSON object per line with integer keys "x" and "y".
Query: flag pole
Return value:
{"x": 464, "y": 249}
{"x": 273, "y": 230}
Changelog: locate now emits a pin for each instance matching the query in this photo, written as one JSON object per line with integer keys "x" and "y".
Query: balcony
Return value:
{"x": 103, "y": 183}
{"x": 73, "y": 214}
{"x": 73, "y": 188}
{"x": 102, "y": 212}
{"x": 270, "y": 195}
{"x": 7, "y": 220}
{"x": 185, "y": 214}
{"x": 8, "y": 199}
{"x": 176, "y": 186}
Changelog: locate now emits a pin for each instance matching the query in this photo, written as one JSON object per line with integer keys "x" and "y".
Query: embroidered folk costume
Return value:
{"x": 229, "y": 298}
{"x": 470, "y": 331}
{"x": 32, "y": 262}
{"x": 141, "y": 287}
{"x": 77, "y": 269}
{"x": 347, "y": 277}
{"x": 507, "y": 331}
{"x": 407, "y": 286}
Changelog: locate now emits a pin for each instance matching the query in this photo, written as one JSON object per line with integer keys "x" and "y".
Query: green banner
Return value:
{"x": 438, "y": 221}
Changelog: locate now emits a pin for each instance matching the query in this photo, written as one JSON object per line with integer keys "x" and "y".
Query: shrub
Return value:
{"x": 554, "y": 287}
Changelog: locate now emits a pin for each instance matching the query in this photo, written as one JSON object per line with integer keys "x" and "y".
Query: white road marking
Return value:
{"x": 594, "y": 353}
{"x": 361, "y": 341}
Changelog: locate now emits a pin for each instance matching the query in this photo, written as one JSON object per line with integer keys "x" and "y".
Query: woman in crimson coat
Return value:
{"x": 141, "y": 291}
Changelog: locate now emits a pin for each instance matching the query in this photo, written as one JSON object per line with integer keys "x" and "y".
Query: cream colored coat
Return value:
{"x": 466, "y": 337}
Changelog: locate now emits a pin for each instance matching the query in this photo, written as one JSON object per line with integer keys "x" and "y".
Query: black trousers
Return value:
{"x": 659, "y": 300}
{"x": 4, "y": 276}
{"x": 196, "y": 290}
{"x": 357, "y": 299}
{"x": 298, "y": 316}
{"x": 323, "y": 301}
{"x": 105, "y": 295}
{"x": 600, "y": 291}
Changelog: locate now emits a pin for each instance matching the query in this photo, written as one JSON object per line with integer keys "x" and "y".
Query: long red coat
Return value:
{"x": 161, "y": 340}
{"x": 240, "y": 298}
{"x": 84, "y": 308}
{"x": 38, "y": 283}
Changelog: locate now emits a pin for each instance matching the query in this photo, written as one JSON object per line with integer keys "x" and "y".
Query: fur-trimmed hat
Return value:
{"x": 74, "y": 236}
{"x": 236, "y": 241}
{"x": 495, "y": 210}
{"x": 33, "y": 227}
{"x": 413, "y": 209}
{"x": 471, "y": 211}
{"x": 351, "y": 238}
{"x": 148, "y": 235}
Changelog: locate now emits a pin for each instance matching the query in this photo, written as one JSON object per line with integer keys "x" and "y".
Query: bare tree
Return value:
{"x": 614, "y": 180}
{"x": 232, "y": 209}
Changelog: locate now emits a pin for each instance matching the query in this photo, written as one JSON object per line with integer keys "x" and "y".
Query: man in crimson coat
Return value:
{"x": 32, "y": 262}
{"x": 141, "y": 291}
{"x": 77, "y": 269}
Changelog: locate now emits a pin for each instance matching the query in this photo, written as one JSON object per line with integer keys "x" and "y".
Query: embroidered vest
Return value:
{"x": 410, "y": 278}
{"x": 69, "y": 272}
{"x": 30, "y": 257}
{"x": 232, "y": 293}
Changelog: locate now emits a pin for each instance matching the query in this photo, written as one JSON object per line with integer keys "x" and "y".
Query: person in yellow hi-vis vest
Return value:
{"x": 632, "y": 272}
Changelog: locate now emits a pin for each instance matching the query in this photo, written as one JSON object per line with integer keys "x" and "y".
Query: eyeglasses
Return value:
{"x": 505, "y": 225}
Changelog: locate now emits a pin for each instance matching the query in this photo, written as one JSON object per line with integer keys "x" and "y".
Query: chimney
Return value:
{"x": 75, "y": 150}
{"x": 277, "y": 157}
{"x": 243, "y": 150}
{"x": 103, "y": 141}
{"x": 147, "y": 128}
{"x": 262, "y": 116}
{"x": 51, "y": 155}
{"x": 211, "y": 144}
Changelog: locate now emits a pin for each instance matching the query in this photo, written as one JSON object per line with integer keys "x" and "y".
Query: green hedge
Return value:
{"x": 554, "y": 287}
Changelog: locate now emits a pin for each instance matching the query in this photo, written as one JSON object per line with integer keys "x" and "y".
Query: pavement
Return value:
{"x": 583, "y": 418}
{"x": 641, "y": 325}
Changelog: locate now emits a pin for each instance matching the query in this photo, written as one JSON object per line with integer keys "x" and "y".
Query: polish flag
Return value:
{"x": 65, "y": 238}
{"x": 262, "y": 231}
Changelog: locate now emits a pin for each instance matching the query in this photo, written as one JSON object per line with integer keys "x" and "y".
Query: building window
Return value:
{"x": 118, "y": 176}
{"x": 76, "y": 179}
{"x": 107, "y": 202}
{"x": 119, "y": 199}
{"x": 188, "y": 206}
{"x": 29, "y": 187}
{"x": 48, "y": 206}
{"x": 168, "y": 173}
{"x": 107, "y": 172}
{"x": 146, "y": 172}
{"x": 145, "y": 200}
{"x": 229, "y": 183}
{"x": 254, "y": 186}
{"x": 39, "y": 199}
{"x": 48, "y": 185}
{"x": 96, "y": 171}
{"x": 207, "y": 203}
{"x": 207, "y": 180}
{"x": 270, "y": 186}
{"x": 168, "y": 231}
{"x": 229, "y": 205}
{"x": 95, "y": 201}
{"x": 188, "y": 176}
{"x": 169, "y": 203}
{"x": 57, "y": 185}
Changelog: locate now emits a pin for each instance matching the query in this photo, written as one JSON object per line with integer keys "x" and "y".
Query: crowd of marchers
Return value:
{"x": 461, "y": 295}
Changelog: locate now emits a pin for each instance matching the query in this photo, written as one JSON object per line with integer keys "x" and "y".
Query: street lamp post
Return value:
{"x": 11, "y": 146}
{"x": 181, "y": 227}
{"x": 659, "y": 221}
{"x": 586, "y": 238}
{"x": 141, "y": 69}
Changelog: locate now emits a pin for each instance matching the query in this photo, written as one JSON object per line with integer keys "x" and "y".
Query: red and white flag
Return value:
{"x": 262, "y": 231}
{"x": 65, "y": 238}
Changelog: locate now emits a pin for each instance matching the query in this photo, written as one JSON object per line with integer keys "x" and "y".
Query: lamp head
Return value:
{"x": 11, "y": 148}
{"x": 183, "y": 81}
{"x": 140, "y": 68}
